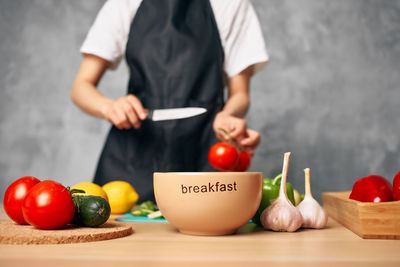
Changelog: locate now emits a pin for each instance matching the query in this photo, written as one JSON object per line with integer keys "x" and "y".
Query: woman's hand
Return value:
{"x": 235, "y": 108}
{"x": 247, "y": 139}
{"x": 250, "y": 142}
{"x": 125, "y": 112}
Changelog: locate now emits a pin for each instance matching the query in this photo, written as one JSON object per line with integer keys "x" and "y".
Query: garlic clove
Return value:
{"x": 282, "y": 215}
{"x": 314, "y": 216}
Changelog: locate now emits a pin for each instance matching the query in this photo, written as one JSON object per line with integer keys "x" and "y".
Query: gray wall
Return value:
{"x": 330, "y": 93}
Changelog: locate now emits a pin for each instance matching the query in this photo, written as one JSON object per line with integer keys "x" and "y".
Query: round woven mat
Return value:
{"x": 12, "y": 233}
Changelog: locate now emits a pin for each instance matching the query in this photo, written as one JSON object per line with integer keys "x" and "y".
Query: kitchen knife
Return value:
{"x": 174, "y": 113}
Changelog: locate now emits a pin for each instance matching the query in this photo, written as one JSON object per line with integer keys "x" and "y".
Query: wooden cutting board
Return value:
{"x": 12, "y": 233}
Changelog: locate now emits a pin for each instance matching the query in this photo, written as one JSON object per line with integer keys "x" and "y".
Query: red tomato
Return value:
{"x": 15, "y": 195}
{"x": 223, "y": 156}
{"x": 244, "y": 162}
{"x": 373, "y": 188}
{"x": 396, "y": 187}
{"x": 48, "y": 205}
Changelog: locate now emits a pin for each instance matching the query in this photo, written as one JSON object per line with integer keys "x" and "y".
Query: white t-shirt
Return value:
{"x": 236, "y": 20}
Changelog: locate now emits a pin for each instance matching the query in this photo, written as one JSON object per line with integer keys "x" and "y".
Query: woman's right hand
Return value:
{"x": 125, "y": 112}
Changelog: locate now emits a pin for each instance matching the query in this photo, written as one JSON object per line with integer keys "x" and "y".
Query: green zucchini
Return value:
{"x": 90, "y": 211}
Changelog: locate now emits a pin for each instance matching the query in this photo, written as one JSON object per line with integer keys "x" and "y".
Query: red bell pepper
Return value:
{"x": 396, "y": 187}
{"x": 373, "y": 188}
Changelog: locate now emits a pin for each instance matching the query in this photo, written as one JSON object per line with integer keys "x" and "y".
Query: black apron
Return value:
{"x": 175, "y": 59}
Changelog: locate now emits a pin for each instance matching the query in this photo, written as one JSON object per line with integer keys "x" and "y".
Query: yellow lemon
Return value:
{"x": 121, "y": 196}
{"x": 91, "y": 189}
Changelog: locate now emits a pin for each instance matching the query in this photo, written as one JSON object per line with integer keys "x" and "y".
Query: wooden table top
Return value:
{"x": 154, "y": 244}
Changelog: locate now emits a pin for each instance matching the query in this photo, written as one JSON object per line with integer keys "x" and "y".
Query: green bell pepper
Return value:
{"x": 270, "y": 191}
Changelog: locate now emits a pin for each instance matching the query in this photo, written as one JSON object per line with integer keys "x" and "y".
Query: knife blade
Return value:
{"x": 174, "y": 113}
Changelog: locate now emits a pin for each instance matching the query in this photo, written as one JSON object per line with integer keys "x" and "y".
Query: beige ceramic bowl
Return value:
{"x": 208, "y": 203}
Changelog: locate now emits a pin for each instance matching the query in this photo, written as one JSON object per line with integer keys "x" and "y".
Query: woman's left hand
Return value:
{"x": 250, "y": 142}
{"x": 247, "y": 139}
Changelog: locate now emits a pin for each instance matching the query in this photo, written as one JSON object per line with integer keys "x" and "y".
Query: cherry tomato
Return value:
{"x": 48, "y": 205}
{"x": 373, "y": 188}
{"x": 223, "y": 156}
{"x": 15, "y": 195}
{"x": 396, "y": 187}
{"x": 244, "y": 162}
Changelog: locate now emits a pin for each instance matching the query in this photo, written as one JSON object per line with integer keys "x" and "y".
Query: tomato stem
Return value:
{"x": 227, "y": 133}
{"x": 231, "y": 141}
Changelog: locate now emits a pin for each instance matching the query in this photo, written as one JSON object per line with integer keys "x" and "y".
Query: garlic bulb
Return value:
{"x": 282, "y": 215}
{"x": 314, "y": 216}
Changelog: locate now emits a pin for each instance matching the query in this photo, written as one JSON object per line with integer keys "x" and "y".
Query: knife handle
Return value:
{"x": 149, "y": 115}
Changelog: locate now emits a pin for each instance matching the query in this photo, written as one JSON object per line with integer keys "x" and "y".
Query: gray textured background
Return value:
{"x": 330, "y": 93}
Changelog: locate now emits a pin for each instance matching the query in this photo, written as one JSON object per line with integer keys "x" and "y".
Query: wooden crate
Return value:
{"x": 366, "y": 219}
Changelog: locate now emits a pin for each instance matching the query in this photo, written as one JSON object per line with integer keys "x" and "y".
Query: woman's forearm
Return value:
{"x": 238, "y": 101}
{"x": 237, "y": 104}
{"x": 86, "y": 96}
{"x": 84, "y": 92}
